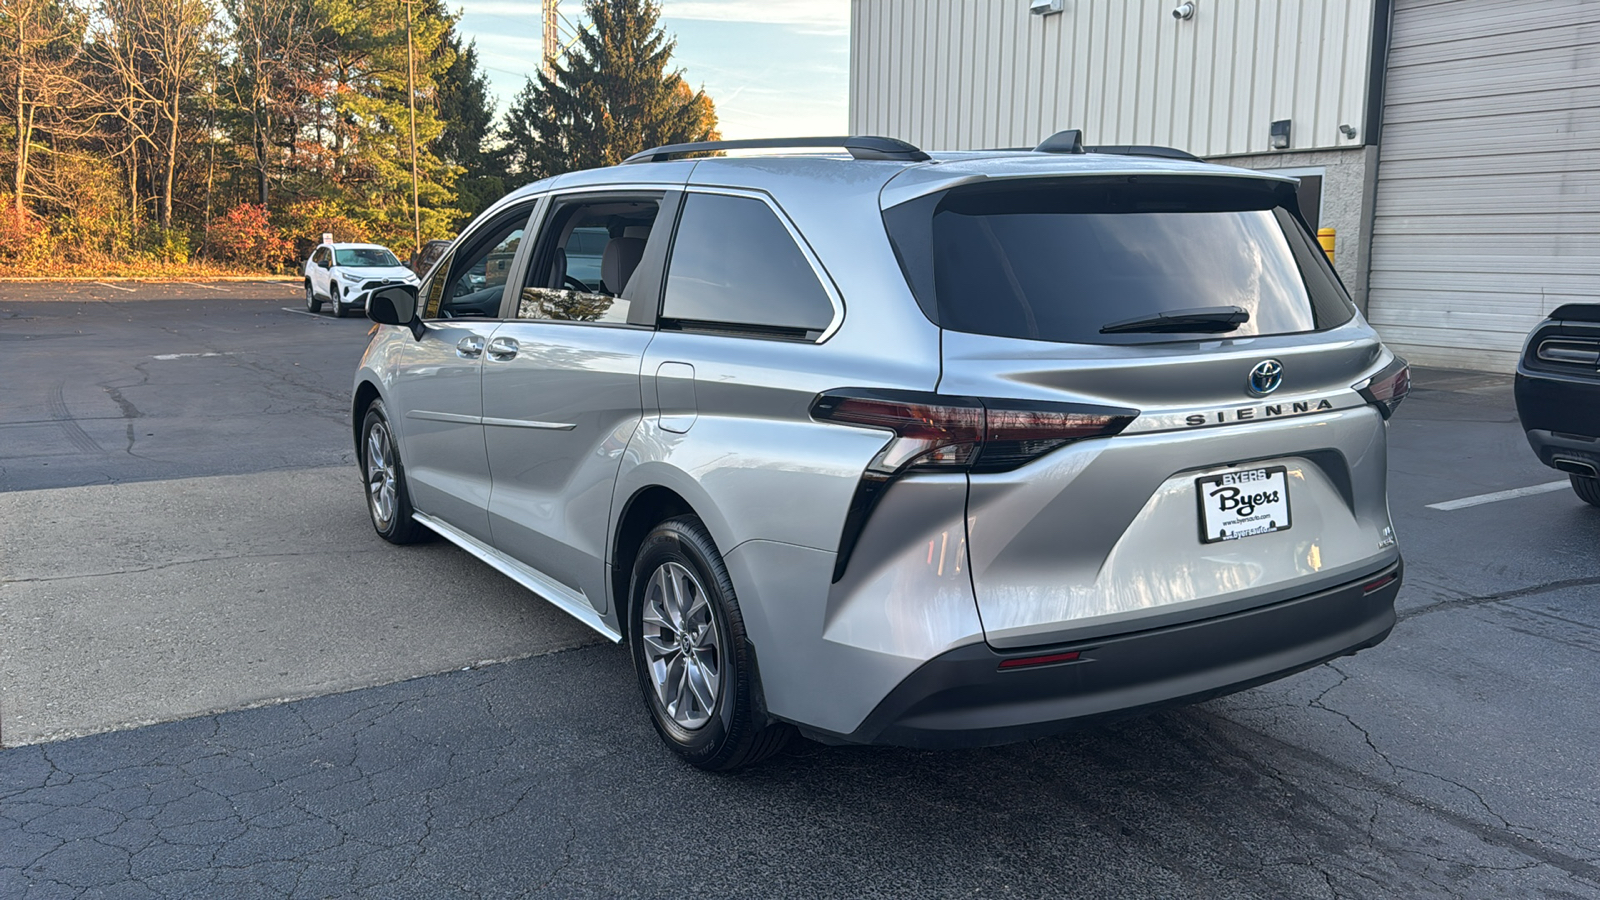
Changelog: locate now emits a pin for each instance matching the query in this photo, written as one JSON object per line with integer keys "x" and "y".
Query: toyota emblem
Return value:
{"x": 1265, "y": 377}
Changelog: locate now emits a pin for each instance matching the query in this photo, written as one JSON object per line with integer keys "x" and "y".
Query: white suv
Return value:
{"x": 344, "y": 274}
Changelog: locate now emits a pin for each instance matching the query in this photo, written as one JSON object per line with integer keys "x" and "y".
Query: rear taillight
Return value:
{"x": 933, "y": 431}
{"x": 1386, "y": 389}
{"x": 1570, "y": 352}
{"x": 941, "y": 433}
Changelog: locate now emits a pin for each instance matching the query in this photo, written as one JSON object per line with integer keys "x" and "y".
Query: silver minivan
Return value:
{"x": 891, "y": 448}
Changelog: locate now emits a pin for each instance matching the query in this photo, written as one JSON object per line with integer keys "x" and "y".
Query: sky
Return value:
{"x": 774, "y": 68}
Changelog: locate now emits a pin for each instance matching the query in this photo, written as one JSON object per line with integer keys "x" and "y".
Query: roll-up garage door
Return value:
{"x": 1487, "y": 213}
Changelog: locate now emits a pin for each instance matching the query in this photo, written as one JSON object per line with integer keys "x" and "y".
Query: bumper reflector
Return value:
{"x": 1023, "y": 662}
{"x": 1378, "y": 584}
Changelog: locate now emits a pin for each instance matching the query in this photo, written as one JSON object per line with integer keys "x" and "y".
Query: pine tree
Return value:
{"x": 612, "y": 96}
{"x": 466, "y": 110}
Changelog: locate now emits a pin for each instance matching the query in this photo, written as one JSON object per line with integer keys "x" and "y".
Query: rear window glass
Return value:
{"x": 1063, "y": 263}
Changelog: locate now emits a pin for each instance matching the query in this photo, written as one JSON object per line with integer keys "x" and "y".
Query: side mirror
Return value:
{"x": 396, "y": 305}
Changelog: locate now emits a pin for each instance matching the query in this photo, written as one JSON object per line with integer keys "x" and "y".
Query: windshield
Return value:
{"x": 1064, "y": 262}
{"x": 365, "y": 258}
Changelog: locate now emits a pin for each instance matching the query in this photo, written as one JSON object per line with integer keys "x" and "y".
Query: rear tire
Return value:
{"x": 313, "y": 305}
{"x": 388, "y": 501}
{"x": 690, "y": 651}
{"x": 1587, "y": 487}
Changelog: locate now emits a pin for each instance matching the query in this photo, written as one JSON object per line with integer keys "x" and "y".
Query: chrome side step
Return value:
{"x": 564, "y": 598}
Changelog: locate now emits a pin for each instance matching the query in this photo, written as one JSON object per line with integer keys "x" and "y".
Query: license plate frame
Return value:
{"x": 1216, "y": 521}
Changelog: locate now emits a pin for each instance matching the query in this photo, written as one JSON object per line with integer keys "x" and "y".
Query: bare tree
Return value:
{"x": 40, "y": 50}
{"x": 274, "y": 50}
{"x": 155, "y": 49}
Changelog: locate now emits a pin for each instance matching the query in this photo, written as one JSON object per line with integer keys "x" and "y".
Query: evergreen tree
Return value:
{"x": 364, "y": 129}
{"x": 612, "y": 96}
{"x": 466, "y": 110}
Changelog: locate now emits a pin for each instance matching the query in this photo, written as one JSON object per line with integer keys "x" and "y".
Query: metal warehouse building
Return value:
{"x": 1454, "y": 145}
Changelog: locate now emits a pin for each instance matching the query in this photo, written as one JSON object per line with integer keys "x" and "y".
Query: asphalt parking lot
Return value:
{"x": 215, "y": 681}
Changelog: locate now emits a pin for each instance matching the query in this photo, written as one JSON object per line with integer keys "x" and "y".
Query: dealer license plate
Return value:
{"x": 1243, "y": 504}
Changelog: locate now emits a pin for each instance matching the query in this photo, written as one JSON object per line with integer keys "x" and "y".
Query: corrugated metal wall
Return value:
{"x": 963, "y": 74}
{"x": 1488, "y": 205}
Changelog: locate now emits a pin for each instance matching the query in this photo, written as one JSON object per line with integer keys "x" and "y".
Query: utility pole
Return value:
{"x": 411, "y": 101}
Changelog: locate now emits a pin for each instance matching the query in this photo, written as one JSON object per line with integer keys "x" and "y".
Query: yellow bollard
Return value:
{"x": 1325, "y": 237}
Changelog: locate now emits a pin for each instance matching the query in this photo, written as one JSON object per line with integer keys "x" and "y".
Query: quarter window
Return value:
{"x": 735, "y": 266}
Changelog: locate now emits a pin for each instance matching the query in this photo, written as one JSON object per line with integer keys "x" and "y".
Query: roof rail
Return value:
{"x": 863, "y": 146}
{"x": 1145, "y": 150}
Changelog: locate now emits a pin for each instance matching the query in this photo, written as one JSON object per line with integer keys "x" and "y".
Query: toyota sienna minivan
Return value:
{"x": 889, "y": 447}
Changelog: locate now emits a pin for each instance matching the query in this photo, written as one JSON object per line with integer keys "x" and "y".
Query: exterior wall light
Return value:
{"x": 1348, "y": 131}
{"x": 1046, "y": 7}
{"x": 1279, "y": 134}
{"x": 1183, "y": 11}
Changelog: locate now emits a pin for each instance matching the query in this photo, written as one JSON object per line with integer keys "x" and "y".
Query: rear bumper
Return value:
{"x": 962, "y": 698}
{"x": 1560, "y": 415}
{"x": 1566, "y": 452}
{"x": 1563, "y": 404}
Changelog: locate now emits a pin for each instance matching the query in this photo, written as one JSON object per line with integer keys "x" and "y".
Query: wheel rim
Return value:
{"x": 681, "y": 647}
{"x": 381, "y": 491}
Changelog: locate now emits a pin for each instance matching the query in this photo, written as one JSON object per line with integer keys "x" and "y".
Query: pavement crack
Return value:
{"x": 1316, "y": 703}
{"x": 182, "y": 562}
{"x": 1501, "y": 596}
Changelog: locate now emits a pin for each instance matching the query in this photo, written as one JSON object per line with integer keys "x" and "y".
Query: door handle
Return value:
{"x": 470, "y": 347}
{"x": 503, "y": 348}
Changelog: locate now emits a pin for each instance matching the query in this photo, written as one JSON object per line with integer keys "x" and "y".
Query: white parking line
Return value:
{"x": 114, "y": 287}
{"x": 189, "y": 355}
{"x": 1497, "y": 496}
{"x": 209, "y": 287}
{"x": 301, "y": 312}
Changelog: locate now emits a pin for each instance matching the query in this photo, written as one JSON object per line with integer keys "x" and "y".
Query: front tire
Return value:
{"x": 1587, "y": 487}
{"x": 689, "y": 649}
{"x": 388, "y": 501}
{"x": 313, "y": 305}
{"x": 340, "y": 310}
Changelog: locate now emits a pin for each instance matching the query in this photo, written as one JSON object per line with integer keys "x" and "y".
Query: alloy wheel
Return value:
{"x": 681, "y": 645}
{"x": 381, "y": 491}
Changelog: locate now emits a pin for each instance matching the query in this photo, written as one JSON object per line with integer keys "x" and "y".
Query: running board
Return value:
{"x": 562, "y": 597}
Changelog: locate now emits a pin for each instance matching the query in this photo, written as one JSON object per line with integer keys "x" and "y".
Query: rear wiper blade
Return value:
{"x": 1204, "y": 319}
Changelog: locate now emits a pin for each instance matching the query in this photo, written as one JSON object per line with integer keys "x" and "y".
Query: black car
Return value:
{"x": 428, "y": 254}
{"x": 1558, "y": 395}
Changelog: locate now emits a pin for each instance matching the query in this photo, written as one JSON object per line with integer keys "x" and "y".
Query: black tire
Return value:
{"x": 313, "y": 305}
{"x": 341, "y": 310}
{"x": 400, "y": 527}
{"x": 735, "y": 732}
{"x": 1587, "y": 487}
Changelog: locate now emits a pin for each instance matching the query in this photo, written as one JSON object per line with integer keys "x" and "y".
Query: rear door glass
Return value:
{"x": 1063, "y": 262}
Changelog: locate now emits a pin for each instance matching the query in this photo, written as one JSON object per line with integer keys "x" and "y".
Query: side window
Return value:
{"x": 473, "y": 282}
{"x": 735, "y": 264}
{"x": 321, "y": 256}
{"x": 584, "y": 265}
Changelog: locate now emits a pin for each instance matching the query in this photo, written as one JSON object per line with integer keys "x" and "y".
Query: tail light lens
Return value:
{"x": 933, "y": 431}
{"x": 942, "y": 433}
{"x": 1386, "y": 389}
